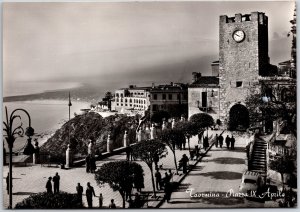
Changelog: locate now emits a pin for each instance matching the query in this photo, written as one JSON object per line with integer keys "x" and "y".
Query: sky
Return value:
{"x": 129, "y": 42}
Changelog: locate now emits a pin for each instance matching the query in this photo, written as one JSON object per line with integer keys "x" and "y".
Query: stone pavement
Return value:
{"x": 218, "y": 173}
{"x": 32, "y": 179}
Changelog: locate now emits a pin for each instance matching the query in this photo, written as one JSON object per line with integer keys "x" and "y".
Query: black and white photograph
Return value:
{"x": 149, "y": 104}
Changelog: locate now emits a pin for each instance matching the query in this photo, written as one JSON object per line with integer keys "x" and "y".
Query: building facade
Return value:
{"x": 133, "y": 98}
{"x": 204, "y": 95}
{"x": 172, "y": 98}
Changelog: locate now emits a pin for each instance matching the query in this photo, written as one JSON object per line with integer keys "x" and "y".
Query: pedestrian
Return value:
{"x": 217, "y": 140}
{"x": 156, "y": 160}
{"x": 112, "y": 204}
{"x": 157, "y": 176}
{"x": 184, "y": 162}
{"x": 128, "y": 192}
{"x": 56, "y": 180}
{"x": 137, "y": 201}
{"x": 205, "y": 143}
{"x": 200, "y": 137}
{"x": 138, "y": 184}
{"x": 168, "y": 191}
{"x": 100, "y": 200}
{"x": 87, "y": 163}
{"x": 170, "y": 175}
{"x": 232, "y": 141}
{"x": 227, "y": 141}
{"x": 221, "y": 139}
{"x": 92, "y": 164}
{"x": 7, "y": 183}
{"x": 89, "y": 195}
{"x": 49, "y": 185}
{"x": 128, "y": 153}
{"x": 79, "y": 190}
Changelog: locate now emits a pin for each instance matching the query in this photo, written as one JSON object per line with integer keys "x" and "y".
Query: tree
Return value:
{"x": 108, "y": 97}
{"x": 120, "y": 176}
{"x": 172, "y": 138}
{"x": 188, "y": 128}
{"x": 147, "y": 151}
{"x": 61, "y": 200}
{"x": 202, "y": 121}
{"x": 283, "y": 165}
{"x": 269, "y": 106}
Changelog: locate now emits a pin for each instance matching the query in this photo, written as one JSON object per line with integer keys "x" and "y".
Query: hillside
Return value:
{"x": 90, "y": 126}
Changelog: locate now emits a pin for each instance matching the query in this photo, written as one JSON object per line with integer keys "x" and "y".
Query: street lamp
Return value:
{"x": 10, "y": 137}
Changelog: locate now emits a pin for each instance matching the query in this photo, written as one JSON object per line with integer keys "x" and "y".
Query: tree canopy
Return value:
{"x": 120, "y": 176}
{"x": 202, "y": 120}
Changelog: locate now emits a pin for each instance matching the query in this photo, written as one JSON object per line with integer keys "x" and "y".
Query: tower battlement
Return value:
{"x": 253, "y": 17}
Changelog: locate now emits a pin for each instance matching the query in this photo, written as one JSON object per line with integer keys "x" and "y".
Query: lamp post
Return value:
{"x": 10, "y": 137}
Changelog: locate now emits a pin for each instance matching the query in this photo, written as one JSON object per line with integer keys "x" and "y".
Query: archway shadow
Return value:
{"x": 223, "y": 175}
{"x": 228, "y": 160}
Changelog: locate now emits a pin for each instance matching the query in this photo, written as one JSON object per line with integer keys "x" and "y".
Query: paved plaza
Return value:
{"x": 32, "y": 179}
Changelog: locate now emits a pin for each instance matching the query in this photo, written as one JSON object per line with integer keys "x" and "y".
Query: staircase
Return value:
{"x": 259, "y": 158}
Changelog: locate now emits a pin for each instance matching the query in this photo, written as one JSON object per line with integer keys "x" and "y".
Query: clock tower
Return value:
{"x": 243, "y": 56}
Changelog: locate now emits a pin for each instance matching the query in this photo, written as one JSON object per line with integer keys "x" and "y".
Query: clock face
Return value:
{"x": 238, "y": 36}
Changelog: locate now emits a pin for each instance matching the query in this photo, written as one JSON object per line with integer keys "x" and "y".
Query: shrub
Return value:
{"x": 45, "y": 200}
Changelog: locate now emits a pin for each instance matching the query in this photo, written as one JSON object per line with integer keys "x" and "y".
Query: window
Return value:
{"x": 239, "y": 84}
{"x": 178, "y": 96}
{"x": 154, "y": 107}
{"x": 130, "y": 100}
{"x": 125, "y": 104}
{"x": 121, "y": 95}
{"x": 125, "y": 100}
{"x": 117, "y": 95}
{"x": 117, "y": 104}
{"x": 170, "y": 96}
{"x": 121, "y": 100}
{"x": 164, "y": 96}
{"x": 121, "y": 104}
{"x": 155, "y": 96}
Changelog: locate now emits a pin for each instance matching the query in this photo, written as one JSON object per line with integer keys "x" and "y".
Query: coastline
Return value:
{"x": 84, "y": 92}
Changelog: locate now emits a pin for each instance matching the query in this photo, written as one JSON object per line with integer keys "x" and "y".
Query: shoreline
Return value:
{"x": 84, "y": 92}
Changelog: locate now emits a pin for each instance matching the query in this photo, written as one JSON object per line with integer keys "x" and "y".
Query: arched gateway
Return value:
{"x": 238, "y": 117}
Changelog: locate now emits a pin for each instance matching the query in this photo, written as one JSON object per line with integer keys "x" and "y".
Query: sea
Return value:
{"x": 46, "y": 115}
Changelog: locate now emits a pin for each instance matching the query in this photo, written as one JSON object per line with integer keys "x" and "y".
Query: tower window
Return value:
{"x": 170, "y": 96}
{"x": 155, "y": 96}
{"x": 164, "y": 96}
{"x": 239, "y": 84}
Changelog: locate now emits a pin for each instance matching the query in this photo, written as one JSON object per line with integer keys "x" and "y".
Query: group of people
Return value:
{"x": 55, "y": 180}
{"x": 164, "y": 183}
{"x": 90, "y": 193}
{"x": 229, "y": 141}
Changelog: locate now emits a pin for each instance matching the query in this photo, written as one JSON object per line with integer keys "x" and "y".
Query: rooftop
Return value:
{"x": 205, "y": 81}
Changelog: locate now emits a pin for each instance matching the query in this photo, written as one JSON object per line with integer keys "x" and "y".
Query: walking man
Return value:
{"x": 89, "y": 195}
{"x": 232, "y": 141}
{"x": 100, "y": 200}
{"x": 49, "y": 185}
{"x": 79, "y": 190}
{"x": 227, "y": 141}
{"x": 55, "y": 180}
{"x": 157, "y": 176}
{"x": 221, "y": 139}
{"x": 87, "y": 163}
{"x": 7, "y": 183}
{"x": 184, "y": 160}
{"x": 205, "y": 143}
{"x": 217, "y": 140}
